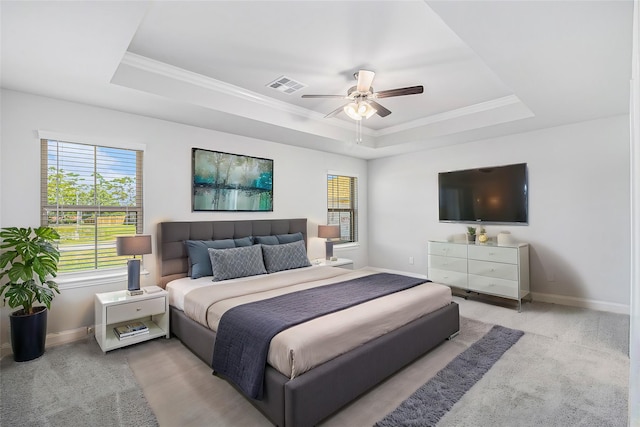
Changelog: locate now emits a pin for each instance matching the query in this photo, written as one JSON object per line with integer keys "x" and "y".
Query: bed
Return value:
{"x": 309, "y": 395}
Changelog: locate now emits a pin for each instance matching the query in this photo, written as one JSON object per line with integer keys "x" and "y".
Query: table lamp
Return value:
{"x": 329, "y": 232}
{"x": 140, "y": 244}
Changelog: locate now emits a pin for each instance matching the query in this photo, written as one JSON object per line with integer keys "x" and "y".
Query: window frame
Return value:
{"x": 353, "y": 209}
{"x": 93, "y": 276}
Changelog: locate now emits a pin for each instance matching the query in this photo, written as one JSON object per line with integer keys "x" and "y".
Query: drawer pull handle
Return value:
{"x": 138, "y": 309}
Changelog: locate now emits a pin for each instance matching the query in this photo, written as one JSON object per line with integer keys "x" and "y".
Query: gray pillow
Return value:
{"x": 199, "y": 261}
{"x": 289, "y": 238}
{"x": 266, "y": 240}
{"x": 237, "y": 262}
{"x": 285, "y": 257}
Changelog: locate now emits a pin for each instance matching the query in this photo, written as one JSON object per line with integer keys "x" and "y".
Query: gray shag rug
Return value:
{"x": 73, "y": 385}
{"x": 427, "y": 405}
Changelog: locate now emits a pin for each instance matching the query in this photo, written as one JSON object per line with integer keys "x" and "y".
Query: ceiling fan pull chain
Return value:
{"x": 358, "y": 131}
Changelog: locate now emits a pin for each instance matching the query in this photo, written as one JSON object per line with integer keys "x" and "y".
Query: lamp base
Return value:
{"x": 133, "y": 276}
{"x": 329, "y": 250}
{"x": 138, "y": 292}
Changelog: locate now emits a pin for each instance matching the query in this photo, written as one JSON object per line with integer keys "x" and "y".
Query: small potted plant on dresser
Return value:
{"x": 29, "y": 261}
{"x": 471, "y": 234}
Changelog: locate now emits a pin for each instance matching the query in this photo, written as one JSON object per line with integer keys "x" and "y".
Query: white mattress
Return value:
{"x": 302, "y": 347}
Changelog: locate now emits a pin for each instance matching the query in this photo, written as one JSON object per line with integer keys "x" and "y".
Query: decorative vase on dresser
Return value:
{"x": 501, "y": 271}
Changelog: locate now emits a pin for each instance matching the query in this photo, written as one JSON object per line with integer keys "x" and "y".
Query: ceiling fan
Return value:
{"x": 362, "y": 99}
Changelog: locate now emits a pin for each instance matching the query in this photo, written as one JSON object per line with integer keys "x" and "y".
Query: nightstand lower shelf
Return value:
{"x": 112, "y": 341}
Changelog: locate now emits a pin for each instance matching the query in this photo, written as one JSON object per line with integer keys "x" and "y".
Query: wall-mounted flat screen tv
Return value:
{"x": 497, "y": 194}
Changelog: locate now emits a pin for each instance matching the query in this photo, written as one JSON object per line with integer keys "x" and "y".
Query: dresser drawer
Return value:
{"x": 135, "y": 309}
{"x": 493, "y": 286}
{"x": 448, "y": 263}
{"x": 448, "y": 249}
{"x": 493, "y": 269}
{"x": 451, "y": 278}
{"x": 493, "y": 253}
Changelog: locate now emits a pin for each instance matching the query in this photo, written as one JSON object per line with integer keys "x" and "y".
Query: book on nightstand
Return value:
{"x": 131, "y": 330}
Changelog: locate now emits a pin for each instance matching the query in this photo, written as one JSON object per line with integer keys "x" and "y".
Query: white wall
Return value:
{"x": 299, "y": 180}
{"x": 579, "y": 201}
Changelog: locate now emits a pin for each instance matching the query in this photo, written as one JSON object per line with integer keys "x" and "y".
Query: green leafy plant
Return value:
{"x": 29, "y": 261}
{"x": 471, "y": 231}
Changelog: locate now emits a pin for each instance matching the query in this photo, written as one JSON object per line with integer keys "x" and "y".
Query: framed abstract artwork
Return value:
{"x": 230, "y": 182}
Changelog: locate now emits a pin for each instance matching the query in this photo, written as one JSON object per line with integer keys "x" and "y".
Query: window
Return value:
{"x": 342, "y": 205}
{"x": 90, "y": 194}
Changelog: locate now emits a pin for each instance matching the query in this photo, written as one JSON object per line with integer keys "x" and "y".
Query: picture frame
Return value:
{"x": 230, "y": 182}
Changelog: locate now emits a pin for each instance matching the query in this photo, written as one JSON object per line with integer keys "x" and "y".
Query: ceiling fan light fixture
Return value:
{"x": 369, "y": 111}
{"x": 351, "y": 110}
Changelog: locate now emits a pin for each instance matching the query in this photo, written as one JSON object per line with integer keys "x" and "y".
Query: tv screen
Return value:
{"x": 491, "y": 195}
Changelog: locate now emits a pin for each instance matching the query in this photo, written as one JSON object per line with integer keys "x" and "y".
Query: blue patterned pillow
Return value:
{"x": 237, "y": 262}
{"x": 289, "y": 238}
{"x": 199, "y": 261}
{"x": 285, "y": 257}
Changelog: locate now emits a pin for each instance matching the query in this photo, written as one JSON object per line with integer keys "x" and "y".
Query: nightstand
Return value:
{"x": 117, "y": 308}
{"x": 340, "y": 262}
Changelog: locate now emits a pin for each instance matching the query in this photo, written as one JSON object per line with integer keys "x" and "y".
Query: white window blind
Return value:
{"x": 90, "y": 194}
{"x": 342, "y": 205}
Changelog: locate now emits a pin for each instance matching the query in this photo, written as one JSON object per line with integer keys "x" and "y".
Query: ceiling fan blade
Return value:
{"x": 365, "y": 78}
{"x": 324, "y": 96}
{"x": 334, "y": 112}
{"x": 380, "y": 110}
{"x": 411, "y": 90}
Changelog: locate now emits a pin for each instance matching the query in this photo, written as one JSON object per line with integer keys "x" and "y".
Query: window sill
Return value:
{"x": 93, "y": 278}
{"x": 350, "y": 245}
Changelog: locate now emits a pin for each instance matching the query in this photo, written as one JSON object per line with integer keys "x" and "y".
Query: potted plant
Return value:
{"x": 471, "y": 234}
{"x": 29, "y": 261}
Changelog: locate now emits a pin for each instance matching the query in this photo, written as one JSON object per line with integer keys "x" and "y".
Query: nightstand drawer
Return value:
{"x": 135, "y": 309}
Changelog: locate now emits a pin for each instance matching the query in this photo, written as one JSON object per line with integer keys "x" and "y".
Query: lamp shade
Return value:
{"x": 139, "y": 244}
{"x": 329, "y": 231}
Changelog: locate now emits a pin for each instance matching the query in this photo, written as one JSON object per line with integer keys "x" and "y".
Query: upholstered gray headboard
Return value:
{"x": 172, "y": 259}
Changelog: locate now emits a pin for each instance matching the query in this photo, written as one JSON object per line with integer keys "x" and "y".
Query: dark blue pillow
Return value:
{"x": 266, "y": 240}
{"x": 198, "y": 251}
{"x": 245, "y": 241}
{"x": 289, "y": 238}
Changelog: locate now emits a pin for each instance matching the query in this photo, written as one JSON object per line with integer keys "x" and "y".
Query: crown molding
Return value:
{"x": 453, "y": 114}
{"x": 176, "y": 73}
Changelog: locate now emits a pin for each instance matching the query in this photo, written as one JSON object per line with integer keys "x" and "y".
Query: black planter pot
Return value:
{"x": 28, "y": 334}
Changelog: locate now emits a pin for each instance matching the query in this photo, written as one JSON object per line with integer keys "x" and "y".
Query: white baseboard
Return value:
{"x": 581, "y": 302}
{"x": 54, "y": 339}
{"x": 549, "y": 298}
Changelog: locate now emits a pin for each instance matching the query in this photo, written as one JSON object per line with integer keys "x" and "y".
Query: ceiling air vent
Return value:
{"x": 286, "y": 84}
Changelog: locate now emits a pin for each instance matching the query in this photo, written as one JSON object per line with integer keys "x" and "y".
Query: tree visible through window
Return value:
{"x": 342, "y": 205}
{"x": 90, "y": 195}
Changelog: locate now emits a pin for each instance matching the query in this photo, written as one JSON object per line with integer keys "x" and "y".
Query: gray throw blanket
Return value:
{"x": 245, "y": 332}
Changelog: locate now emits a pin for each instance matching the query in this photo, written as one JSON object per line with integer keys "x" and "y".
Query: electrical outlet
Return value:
{"x": 89, "y": 330}
{"x": 410, "y": 260}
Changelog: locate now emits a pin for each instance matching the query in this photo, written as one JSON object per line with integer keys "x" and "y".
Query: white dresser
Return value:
{"x": 502, "y": 271}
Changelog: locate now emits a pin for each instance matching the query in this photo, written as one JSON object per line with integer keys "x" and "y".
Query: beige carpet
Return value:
{"x": 571, "y": 367}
